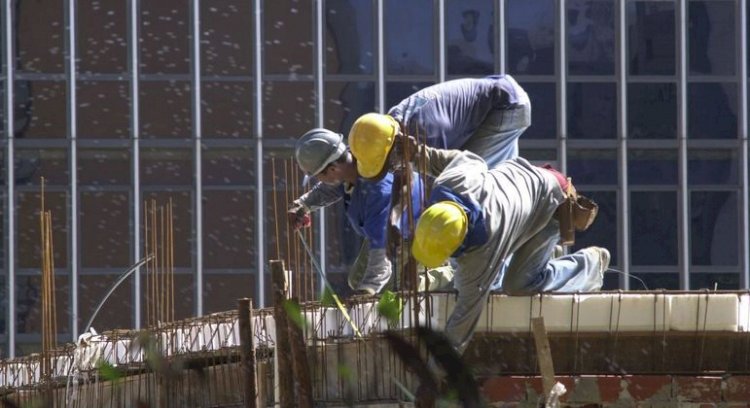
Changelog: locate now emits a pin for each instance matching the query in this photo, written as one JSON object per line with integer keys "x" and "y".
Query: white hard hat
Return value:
{"x": 318, "y": 148}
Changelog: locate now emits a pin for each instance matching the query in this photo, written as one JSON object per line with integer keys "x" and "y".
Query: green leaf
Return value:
{"x": 390, "y": 306}
{"x": 327, "y": 299}
{"x": 294, "y": 313}
{"x": 108, "y": 372}
{"x": 345, "y": 372}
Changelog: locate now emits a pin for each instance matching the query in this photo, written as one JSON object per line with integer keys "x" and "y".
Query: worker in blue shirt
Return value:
{"x": 323, "y": 154}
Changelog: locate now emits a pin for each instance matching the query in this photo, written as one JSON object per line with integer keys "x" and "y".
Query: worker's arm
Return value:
{"x": 376, "y": 211}
{"x": 432, "y": 160}
{"x": 321, "y": 195}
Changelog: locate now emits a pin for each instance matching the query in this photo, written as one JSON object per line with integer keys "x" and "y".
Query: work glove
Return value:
{"x": 298, "y": 216}
{"x": 404, "y": 149}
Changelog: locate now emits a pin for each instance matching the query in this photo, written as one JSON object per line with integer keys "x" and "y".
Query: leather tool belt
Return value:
{"x": 576, "y": 213}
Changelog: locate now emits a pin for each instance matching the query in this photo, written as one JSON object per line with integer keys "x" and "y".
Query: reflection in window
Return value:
{"x": 349, "y": 40}
{"x": 105, "y": 229}
{"x": 345, "y": 102}
{"x": 102, "y": 38}
{"x": 712, "y": 111}
{"x": 653, "y": 228}
{"x": 117, "y": 311}
{"x": 591, "y": 37}
{"x": 651, "y": 37}
{"x": 287, "y": 36}
{"x": 164, "y": 37}
{"x": 50, "y": 163}
{"x": 711, "y": 37}
{"x": 602, "y": 232}
{"x": 531, "y": 37}
{"x": 719, "y": 281}
{"x": 41, "y": 106}
{"x": 469, "y": 37}
{"x": 166, "y": 167}
{"x": 103, "y": 109}
{"x": 652, "y": 111}
{"x": 713, "y": 228}
{"x": 652, "y": 166}
{"x": 655, "y": 281}
{"x": 289, "y": 108}
{"x": 228, "y": 229}
{"x": 40, "y": 34}
{"x": 592, "y": 166}
{"x": 173, "y": 117}
{"x": 29, "y": 304}
{"x": 226, "y": 38}
{"x": 233, "y": 166}
{"x": 543, "y": 110}
{"x": 227, "y": 109}
{"x": 221, "y": 291}
{"x": 712, "y": 166}
{"x": 592, "y": 110}
{"x": 98, "y": 167}
{"x": 395, "y": 92}
{"x": 409, "y": 39}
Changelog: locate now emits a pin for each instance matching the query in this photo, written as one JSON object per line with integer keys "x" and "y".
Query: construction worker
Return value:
{"x": 481, "y": 216}
{"x": 482, "y": 115}
{"x": 323, "y": 154}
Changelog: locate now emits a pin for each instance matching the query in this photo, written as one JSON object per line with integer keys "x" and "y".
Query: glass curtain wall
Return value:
{"x": 118, "y": 103}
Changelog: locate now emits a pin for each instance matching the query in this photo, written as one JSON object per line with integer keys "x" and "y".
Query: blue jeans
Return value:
{"x": 496, "y": 139}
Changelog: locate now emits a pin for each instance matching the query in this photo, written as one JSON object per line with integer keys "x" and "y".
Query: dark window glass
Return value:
{"x": 29, "y": 305}
{"x": 228, "y": 229}
{"x": 227, "y": 109}
{"x": 347, "y": 101}
{"x": 103, "y": 110}
{"x": 653, "y": 166}
{"x": 592, "y": 167}
{"x": 711, "y": 37}
{"x": 653, "y": 228}
{"x": 165, "y": 37}
{"x": 3, "y": 311}
{"x": 166, "y": 167}
{"x": 182, "y": 222}
{"x": 289, "y": 109}
{"x": 41, "y": 109}
{"x": 165, "y": 110}
{"x": 603, "y": 232}
{"x": 21, "y": 108}
{"x": 50, "y": 163}
{"x": 2, "y": 96}
{"x": 40, "y": 35}
{"x": 470, "y": 37}
{"x": 713, "y": 228}
{"x": 100, "y": 167}
{"x": 540, "y": 156}
{"x": 102, "y": 36}
{"x": 591, "y": 37}
{"x": 28, "y": 245}
{"x": 712, "y": 111}
{"x": 117, "y": 311}
{"x": 227, "y": 37}
{"x": 105, "y": 229}
{"x": 221, "y": 290}
{"x": 409, "y": 37}
{"x": 349, "y": 37}
{"x": 652, "y": 111}
{"x": 654, "y": 281}
{"x": 228, "y": 166}
{"x": 712, "y": 166}
{"x": 720, "y": 281}
{"x": 651, "y": 37}
{"x": 592, "y": 110}
{"x": 531, "y": 37}
{"x": 543, "y": 111}
{"x": 395, "y": 92}
{"x": 288, "y": 36}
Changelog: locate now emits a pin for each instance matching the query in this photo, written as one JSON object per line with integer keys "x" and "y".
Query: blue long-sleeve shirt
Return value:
{"x": 448, "y": 113}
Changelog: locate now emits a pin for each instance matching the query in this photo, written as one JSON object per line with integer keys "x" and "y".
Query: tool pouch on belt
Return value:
{"x": 576, "y": 213}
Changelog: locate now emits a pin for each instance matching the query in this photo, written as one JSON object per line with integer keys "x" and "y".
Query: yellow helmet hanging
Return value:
{"x": 440, "y": 231}
{"x": 370, "y": 141}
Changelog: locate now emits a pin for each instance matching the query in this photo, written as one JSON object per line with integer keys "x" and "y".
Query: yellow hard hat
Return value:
{"x": 440, "y": 231}
{"x": 370, "y": 141}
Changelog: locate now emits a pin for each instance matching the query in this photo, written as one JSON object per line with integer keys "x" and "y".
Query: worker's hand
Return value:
{"x": 405, "y": 147}
{"x": 298, "y": 216}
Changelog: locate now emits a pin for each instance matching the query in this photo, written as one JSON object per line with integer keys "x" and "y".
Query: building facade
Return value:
{"x": 115, "y": 102}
